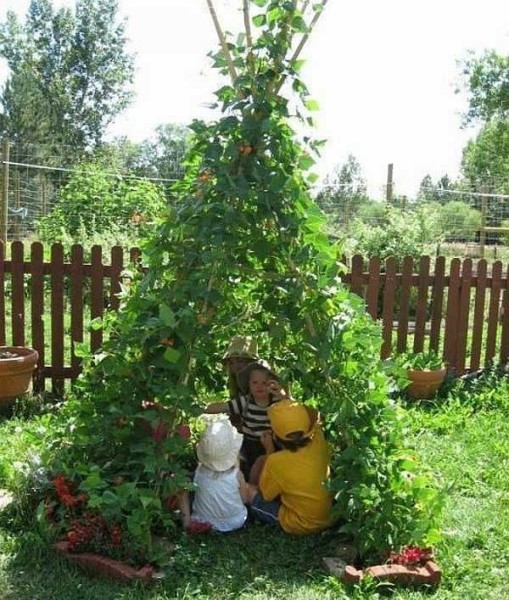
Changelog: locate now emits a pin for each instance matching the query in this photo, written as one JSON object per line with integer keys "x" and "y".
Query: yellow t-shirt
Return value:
{"x": 298, "y": 478}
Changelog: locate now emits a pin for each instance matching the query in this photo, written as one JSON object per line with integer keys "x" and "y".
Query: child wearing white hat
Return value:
{"x": 221, "y": 490}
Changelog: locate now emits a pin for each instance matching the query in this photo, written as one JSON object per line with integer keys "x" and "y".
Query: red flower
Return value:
{"x": 184, "y": 431}
{"x": 411, "y": 556}
{"x": 160, "y": 432}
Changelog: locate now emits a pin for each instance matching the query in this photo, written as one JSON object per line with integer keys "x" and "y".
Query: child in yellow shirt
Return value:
{"x": 291, "y": 489}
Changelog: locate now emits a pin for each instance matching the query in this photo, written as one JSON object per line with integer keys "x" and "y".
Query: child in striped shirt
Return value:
{"x": 250, "y": 406}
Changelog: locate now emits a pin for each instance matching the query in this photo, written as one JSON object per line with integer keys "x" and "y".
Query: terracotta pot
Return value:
{"x": 424, "y": 384}
{"x": 94, "y": 564}
{"x": 16, "y": 372}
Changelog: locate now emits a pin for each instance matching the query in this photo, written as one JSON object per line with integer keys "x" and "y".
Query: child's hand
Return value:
{"x": 276, "y": 390}
{"x": 267, "y": 442}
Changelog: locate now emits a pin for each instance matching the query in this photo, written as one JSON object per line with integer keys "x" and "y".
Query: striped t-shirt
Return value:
{"x": 254, "y": 418}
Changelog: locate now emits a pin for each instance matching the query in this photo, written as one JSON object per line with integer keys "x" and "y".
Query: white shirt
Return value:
{"x": 217, "y": 499}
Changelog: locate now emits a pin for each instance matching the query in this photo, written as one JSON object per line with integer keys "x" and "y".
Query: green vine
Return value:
{"x": 244, "y": 251}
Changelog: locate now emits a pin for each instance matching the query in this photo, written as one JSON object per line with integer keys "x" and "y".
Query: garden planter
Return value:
{"x": 94, "y": 564}
{"x": 424, "y": 384}
{"x": 17, "y": 364}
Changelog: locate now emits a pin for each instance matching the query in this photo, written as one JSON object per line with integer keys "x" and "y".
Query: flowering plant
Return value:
{"x": 81, "y": 528}
{"x": 411, "y": 556}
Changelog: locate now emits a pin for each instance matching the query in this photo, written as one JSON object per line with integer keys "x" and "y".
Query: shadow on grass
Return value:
{"x": 258, "y": 561}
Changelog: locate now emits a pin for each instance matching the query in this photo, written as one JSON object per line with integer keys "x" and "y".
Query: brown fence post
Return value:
{"x": 451, "y": 319}
{"x": 18, "y": 293}
{"x": 97, "y": 292}
{"x": 478, "y": 325}
{"x": 37, "y": 311}
{"x": 388, "y": 306}
{"x": 57, "y": 318}
{"x": 504, "y": 342}
{"x": 463, "y": 314}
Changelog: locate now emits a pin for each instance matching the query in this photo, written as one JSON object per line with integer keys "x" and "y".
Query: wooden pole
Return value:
{"x": 4, "y": 198}
{"x": 390, "y": 184}
{"x": 482, "y": 232}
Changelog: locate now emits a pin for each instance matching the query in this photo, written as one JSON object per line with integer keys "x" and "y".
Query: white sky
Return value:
{"x": 384, "y": 74}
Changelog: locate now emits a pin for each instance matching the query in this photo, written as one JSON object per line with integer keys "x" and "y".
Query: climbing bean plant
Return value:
{"x": 243, "y": 250}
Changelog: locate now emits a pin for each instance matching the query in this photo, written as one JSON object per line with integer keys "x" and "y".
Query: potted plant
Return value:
{"x": 17, "y": 364}
{"x": 426, "y": 372}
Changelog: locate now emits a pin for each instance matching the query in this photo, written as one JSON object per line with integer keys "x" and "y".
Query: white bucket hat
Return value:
{"x": 220, "y": 445}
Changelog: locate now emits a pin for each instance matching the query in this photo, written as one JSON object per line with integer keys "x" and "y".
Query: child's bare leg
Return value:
{"x": 184, "y": 505}
{"x": 256, "y": 469}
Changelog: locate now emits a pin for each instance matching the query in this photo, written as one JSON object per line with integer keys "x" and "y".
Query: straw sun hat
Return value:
{"x": 219, "y": 447}
{"x": 241, "y": 346}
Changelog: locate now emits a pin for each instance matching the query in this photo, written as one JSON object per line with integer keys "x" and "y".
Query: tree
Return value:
{"x": 70, "y": 73}
{"x": 485, "y": 162}
{"x": 486, "y": 81}
{"x": 244, "y": 251}
{"x": 344, "y": 193}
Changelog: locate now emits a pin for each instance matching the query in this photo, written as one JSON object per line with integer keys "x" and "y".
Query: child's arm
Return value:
{"x": 247, "y": 490}
{"x": 216, "y": 408}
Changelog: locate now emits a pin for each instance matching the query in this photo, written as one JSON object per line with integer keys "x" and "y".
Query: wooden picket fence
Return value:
{"x": 458, "y": 309}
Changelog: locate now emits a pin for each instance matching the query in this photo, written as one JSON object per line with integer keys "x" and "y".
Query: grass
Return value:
{"x": 465, "y": 437}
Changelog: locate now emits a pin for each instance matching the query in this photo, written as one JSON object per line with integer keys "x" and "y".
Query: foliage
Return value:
{"x": 243, "y": 251}
{"x": 93, "y": 202}
{"x": 400, "y": 233}
{"x": 451, "y": 433}
{"x": 343, "y": 194}
{"x": 458, "y": 221}
{"x": 485, "y": 161}
{"x": 421, "y": 361}
{"x": 70, "y": 73}
{"x": 486, "y": 81}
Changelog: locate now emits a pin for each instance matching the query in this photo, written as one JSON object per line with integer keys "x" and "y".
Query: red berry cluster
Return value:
{"x": 64, "y": 493}
{"x": 411, "y": 556}
{"x": 92, "y": 531}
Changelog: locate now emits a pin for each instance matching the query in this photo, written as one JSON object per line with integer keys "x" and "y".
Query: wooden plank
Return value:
{"x": 373, "y": 290}
{"x": 96, "y": 299}
{"x": 3, "y": 249}
{"x": 478, "y": 325}
{"x": 57, "y": 317}
{"x": 117, "y": 261}
{"x": 388, "y": 306}
{"x": 437, "y": 302}
{"x": 451, "y": 317}
{"x": 422, "y": 304}
{"x": 463, "y": 316}
{"x": 404, "y": 303}
{"x": 37, "y": 311}
{"x": 76, "y": 300}
{"x": 504, "y": 319}
{"x": 493, "y": 312}
{"x": 18, "y": 294}
{"x": 356, "y": 285}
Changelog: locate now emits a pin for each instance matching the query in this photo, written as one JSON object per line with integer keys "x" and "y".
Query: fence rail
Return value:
{"x": 460, "y": 309}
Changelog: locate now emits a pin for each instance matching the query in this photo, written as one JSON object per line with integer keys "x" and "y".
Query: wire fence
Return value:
{"x": 458, "y": 222}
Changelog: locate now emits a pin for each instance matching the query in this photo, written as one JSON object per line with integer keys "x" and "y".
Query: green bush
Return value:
{"x": 399, "y": 233}
{"x": 95, "y": 203}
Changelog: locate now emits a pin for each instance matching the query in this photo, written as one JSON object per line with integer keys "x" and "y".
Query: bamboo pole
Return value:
{"x": 222, "y": 40}
{"x": 247, "y": 24}
{"x": 303, "y": 41}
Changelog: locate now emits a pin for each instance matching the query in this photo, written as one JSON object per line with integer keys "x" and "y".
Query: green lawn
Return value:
{"x": 465, "y": 438}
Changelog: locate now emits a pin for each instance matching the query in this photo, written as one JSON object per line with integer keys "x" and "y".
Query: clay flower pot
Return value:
{"x": 17, "y": 364}
{"x": 94, "y": 564}
{"x": 425, "y": 383}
